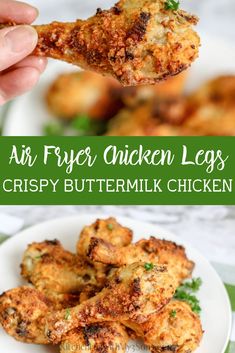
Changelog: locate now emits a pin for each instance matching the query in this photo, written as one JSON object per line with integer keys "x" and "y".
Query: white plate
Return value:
{"x": 216, "y": 310}
{"x": 28, "y": 114}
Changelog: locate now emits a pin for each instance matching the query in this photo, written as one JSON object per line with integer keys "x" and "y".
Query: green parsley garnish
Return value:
{"x": 53, "y": 129}
{"x": 38, "y": 257}
{"x": 110, "y": 226}
{"x": 173, "y": 313}
{"x": 67, "y": 314}
{"x": 193, "y": 285}
{"x": 186, "y": 293}
{"x": 148, "y": 266}
{"x": 82, "y": 123}
{"x": 85, "y": 125}
{"x": 172, "y": 5}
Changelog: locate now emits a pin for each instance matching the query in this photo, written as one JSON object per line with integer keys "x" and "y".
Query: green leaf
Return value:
{"x": 173, "y": 313}
{"x": 67, "y": 314}
{"x": 194, "y": 284}
{"x": 110, "y": 226}
{"x": 82, "y": 123}
{"x": 85, "y": 125}
{"x": 172, "y": 5}
{"x": 186, "y": 293}
{"x": 148, "y": 266}
{"x": 39, "y": 257}
{"x": 53, "y": 129}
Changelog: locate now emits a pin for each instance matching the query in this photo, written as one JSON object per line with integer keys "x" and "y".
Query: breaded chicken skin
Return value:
{"x": 133, "y": 293}
{"x": 154, "y": 250}
{"x": 56, "y": 272}
{"x": 108, "y": 337}
{"x": 176, "y": 328}
{"x": 138, "y": 42}
{"x": 211, "y": 109}
{"x": 155, "y": 117}
{"x": 84, "y": 93}
{"x": 21, "y": 311}
{"x": 107, "y": 229}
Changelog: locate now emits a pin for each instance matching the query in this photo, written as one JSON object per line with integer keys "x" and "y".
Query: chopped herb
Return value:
{"x": 110, "y": 226}
{"x": 67, "y": 314}
{"x": 186, "y": 293}
{"x": 53, "y": 129}
{"x": 38, "y": 257}
{"x": 194, "y": 284}
{"x": 173, "y": 313}
{"x": 148, "y": 266}
{"x": 172, "y": 5}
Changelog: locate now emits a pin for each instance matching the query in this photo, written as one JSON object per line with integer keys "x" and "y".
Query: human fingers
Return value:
{"x": 31, "y": 61}
{"x": 15, "y": 44}
{"x": 17, "y": 11}
{"x": 17, "y": 82}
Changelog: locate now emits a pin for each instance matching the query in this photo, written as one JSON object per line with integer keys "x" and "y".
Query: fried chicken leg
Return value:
{"x": 154, "y": 250}
{"x": 107, "y": 229}
{"x": 56, "y": 272}
{"x": 21, "y": 311}
{"x": 174, "y": 329}
{"x": 133, "y": 293}
{"x": 136, "y": 42}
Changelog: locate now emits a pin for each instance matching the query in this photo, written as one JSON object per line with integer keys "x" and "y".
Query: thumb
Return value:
{"x": 15, "y": 44}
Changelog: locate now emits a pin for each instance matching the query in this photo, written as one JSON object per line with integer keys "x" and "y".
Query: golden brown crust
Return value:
{"x": 84, "y": 93}
{"x": 174, "y": 329}
{"x": 138, "y": 294}
{"x": 155, "y": 117}
{"x": 133, "y": 293}
{"x": 107, "y": 229}
{"x": 106, "y": 253}
{"x": 137, "y": 43}
{"x": 21, "y": 311}
{"x": 211, "y": 109}
{"x": 170, "y": 254}
{"x": 97, "y": 338}
{"x": 59, "y": 274}
{"x": 150, "y": 251}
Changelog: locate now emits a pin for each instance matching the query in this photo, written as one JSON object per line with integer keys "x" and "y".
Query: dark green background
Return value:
{"x": 100, "y": 170}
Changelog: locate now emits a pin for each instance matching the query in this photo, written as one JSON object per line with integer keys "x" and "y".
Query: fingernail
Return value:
{"x": 21, "y": 38}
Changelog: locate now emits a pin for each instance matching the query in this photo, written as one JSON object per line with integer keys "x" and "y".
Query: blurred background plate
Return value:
{"x": 28, "y": 114}
{"x": 216, "y": 310}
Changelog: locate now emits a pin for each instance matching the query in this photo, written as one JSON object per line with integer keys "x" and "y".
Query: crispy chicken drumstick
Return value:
{"x": 153, "y": 250}
{"x": 132, "y": 294}
{"x": 176, "y": 328}
{"x": 137, "y": 42}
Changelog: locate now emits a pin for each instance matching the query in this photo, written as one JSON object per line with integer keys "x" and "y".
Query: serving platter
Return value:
{"x": 216, "y": 310}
